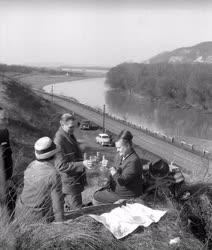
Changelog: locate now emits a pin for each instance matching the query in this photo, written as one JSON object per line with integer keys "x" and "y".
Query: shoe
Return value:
{"x": 87, "y": 204}
{"x": 67, "y": 208}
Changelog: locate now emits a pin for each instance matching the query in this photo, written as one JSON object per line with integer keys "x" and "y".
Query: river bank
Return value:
{"x": 39, "y": 80}
{"x": 155, "y": 115}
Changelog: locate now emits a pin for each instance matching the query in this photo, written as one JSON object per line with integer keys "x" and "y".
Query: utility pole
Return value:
{"x": 103, "y": 127}
{"x": 52, "y": 90}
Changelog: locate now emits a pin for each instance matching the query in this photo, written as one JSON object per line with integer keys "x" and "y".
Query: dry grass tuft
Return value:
{"x": 7, "y": 230}
{"x": 78, "y": 234}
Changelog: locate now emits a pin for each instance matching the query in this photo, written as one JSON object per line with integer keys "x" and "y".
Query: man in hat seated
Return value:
{"x": 126, "y": 177}
{"x": 41, "y": 198}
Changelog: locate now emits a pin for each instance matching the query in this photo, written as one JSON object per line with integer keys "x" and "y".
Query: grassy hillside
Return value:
{"x": 32, "y": 117}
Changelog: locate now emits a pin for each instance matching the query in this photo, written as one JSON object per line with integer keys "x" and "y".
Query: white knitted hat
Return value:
{"x": 45, "y": 148}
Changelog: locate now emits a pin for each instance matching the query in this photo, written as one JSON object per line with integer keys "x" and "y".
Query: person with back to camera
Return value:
{"x": 126, "y": 177}
{"x": 70, "y": 162}
{"x": 6, "y": 162}
{"x": 41, "y": 198}
{"x": 5, "y": 144}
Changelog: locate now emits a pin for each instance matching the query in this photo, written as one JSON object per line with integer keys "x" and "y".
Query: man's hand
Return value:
{"x": 112, "y": 171}
{"x": 88, "y": 164}
{"x": 104, "y": 163}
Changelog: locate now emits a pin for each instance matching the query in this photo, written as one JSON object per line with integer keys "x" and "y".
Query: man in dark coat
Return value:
{"x": 5, "y": 145}
{"x": 6, "y": 161}
{"x": 126, "y": 177}
{"x": 70, "y": 162}
{"x": 3, "y": 191}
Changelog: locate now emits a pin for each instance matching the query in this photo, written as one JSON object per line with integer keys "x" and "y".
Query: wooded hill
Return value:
{"x": 183, "y": 83}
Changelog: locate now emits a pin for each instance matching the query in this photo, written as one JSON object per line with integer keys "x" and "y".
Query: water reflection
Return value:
{"x": 89, "y": 91}
{"x": 165, "y": 118}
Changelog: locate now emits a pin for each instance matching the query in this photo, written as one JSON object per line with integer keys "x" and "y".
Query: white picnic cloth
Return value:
{"x": 123, "y": 220}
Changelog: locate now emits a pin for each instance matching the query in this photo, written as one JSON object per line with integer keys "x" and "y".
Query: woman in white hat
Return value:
{"x": 41, "y": 198}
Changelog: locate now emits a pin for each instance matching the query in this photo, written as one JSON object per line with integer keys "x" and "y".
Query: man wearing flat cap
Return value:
{"x": 70, "y": 162}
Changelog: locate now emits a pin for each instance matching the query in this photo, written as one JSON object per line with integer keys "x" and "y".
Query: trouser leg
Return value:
{"x": 73, "y": 201}
{"x": 104, "y": 197}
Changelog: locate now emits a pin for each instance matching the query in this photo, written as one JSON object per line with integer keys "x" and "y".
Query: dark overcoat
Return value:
{"x": 6, "y": 153}
{"x": 69, "y": 162}
{"x": 128, "y": 182}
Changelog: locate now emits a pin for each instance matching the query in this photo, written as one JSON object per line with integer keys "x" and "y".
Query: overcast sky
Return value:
{"x": 99, "y": 32}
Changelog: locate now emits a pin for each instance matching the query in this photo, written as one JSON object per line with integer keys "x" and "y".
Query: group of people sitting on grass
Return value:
{"x": 55, "y": 180}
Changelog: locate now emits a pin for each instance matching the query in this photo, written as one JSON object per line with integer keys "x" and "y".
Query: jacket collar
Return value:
{"x": 128, "y": 155}
{"x": 68, "y": 137}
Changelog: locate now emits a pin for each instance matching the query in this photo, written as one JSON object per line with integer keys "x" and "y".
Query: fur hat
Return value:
{"x": 45, "y": 148}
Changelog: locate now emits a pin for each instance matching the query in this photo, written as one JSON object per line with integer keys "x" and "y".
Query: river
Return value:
{"x": 186, "y": 124}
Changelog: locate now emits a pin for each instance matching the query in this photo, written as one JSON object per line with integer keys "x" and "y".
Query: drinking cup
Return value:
{"x": 93, "y": 160}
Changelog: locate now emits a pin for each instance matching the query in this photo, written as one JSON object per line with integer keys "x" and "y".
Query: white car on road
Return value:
{"x": 103, "y": 139}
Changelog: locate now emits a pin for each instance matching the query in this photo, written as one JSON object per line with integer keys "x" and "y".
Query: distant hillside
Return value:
{"x": 200, "y": 53}
{"x": 22, "y": 69}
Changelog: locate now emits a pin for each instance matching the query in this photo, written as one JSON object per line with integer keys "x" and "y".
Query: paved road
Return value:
{"x": 194, "y": 164}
